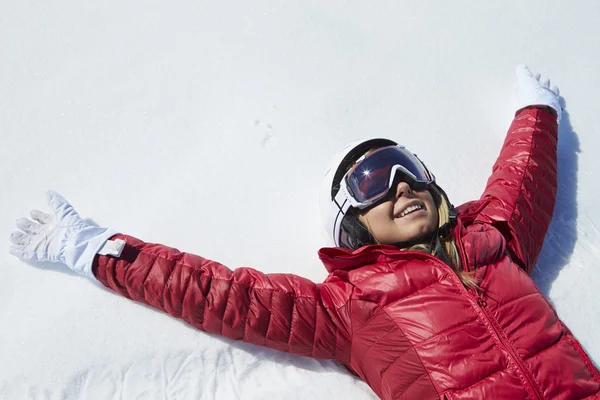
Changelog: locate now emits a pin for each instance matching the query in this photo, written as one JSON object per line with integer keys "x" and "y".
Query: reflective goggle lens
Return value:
{"x": 371, "y": 178}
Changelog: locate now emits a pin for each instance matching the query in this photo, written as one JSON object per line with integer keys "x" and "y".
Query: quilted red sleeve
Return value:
{"x": 522, "y": 187}
{"x": 281, "y": 311}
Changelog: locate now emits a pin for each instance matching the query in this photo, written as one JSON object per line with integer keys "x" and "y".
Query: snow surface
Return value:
{"x": 207, "y": 126}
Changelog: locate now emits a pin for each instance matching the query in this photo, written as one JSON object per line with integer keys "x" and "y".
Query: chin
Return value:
{"x": 419, "y": 233}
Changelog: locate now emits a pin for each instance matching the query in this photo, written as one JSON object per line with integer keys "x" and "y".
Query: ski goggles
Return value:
{"x": 373, "y": 175}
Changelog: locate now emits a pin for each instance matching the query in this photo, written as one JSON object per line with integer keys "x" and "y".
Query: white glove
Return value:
{"x": 533, "y": 92}
{"x": 61, "y": 236}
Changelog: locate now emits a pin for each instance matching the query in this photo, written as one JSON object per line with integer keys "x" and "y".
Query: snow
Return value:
{"x": 207, "y": 126}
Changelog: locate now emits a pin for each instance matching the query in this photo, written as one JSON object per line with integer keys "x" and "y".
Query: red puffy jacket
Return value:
{"x": 399, "y": 319}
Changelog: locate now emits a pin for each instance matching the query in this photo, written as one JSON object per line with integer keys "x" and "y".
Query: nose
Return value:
{"x": 403, "y": 189}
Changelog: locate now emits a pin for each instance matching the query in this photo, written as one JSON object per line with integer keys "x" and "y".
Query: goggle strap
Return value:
{"x": 339, "y": 206}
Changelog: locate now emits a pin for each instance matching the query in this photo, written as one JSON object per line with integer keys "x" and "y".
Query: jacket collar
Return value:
{"x": 337, "y": 258}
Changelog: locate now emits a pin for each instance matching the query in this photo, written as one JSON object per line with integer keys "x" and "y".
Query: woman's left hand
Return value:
{"x": 533, "y": 90}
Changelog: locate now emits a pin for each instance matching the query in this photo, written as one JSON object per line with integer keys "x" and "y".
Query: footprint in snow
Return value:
{"x": 269, "y": 140}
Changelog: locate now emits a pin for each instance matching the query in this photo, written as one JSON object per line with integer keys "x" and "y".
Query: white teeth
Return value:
{"x": 410, "y": 209}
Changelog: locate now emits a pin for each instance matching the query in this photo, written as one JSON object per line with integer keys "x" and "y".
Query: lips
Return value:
{"x": 398, "y": 213}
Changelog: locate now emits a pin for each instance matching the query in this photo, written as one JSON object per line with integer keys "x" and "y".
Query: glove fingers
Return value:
{"x": 19, "y": 252}
{"x": 16, "y": 251}
{"x": 546, "y": 83}
{"x": 41, "y": 217}
{"x": 59, "y": 205}
{"x": 56, "y": 202}
{"x": 19, "y": 238}
{"x": 28, "y": 226}
{"x": 523, "y": 72}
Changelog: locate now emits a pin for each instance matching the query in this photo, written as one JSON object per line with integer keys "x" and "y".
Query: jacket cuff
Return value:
{"x": 80, "y": 253}
{"x": 543, "y": 100}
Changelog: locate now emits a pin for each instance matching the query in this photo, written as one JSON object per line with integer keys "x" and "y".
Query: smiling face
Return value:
{"x": 404, "y": 216}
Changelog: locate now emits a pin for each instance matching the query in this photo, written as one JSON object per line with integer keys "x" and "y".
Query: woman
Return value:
{"x": 422, "y": 301}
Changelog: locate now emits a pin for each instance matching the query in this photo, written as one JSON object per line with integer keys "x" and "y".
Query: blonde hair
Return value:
{"x": 451, "y": 254}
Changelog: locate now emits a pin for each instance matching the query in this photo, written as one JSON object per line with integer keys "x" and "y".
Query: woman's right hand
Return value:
{"x": 61, "y": 236}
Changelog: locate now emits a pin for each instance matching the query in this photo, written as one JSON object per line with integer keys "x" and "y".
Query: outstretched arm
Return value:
{"x": 281, "y": 311}
{"x": 522, "y": 188}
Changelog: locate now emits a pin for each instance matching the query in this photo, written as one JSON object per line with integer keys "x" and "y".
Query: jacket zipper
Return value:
{"x": 480, "y": 301}
{"x": 482, "y": 306}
